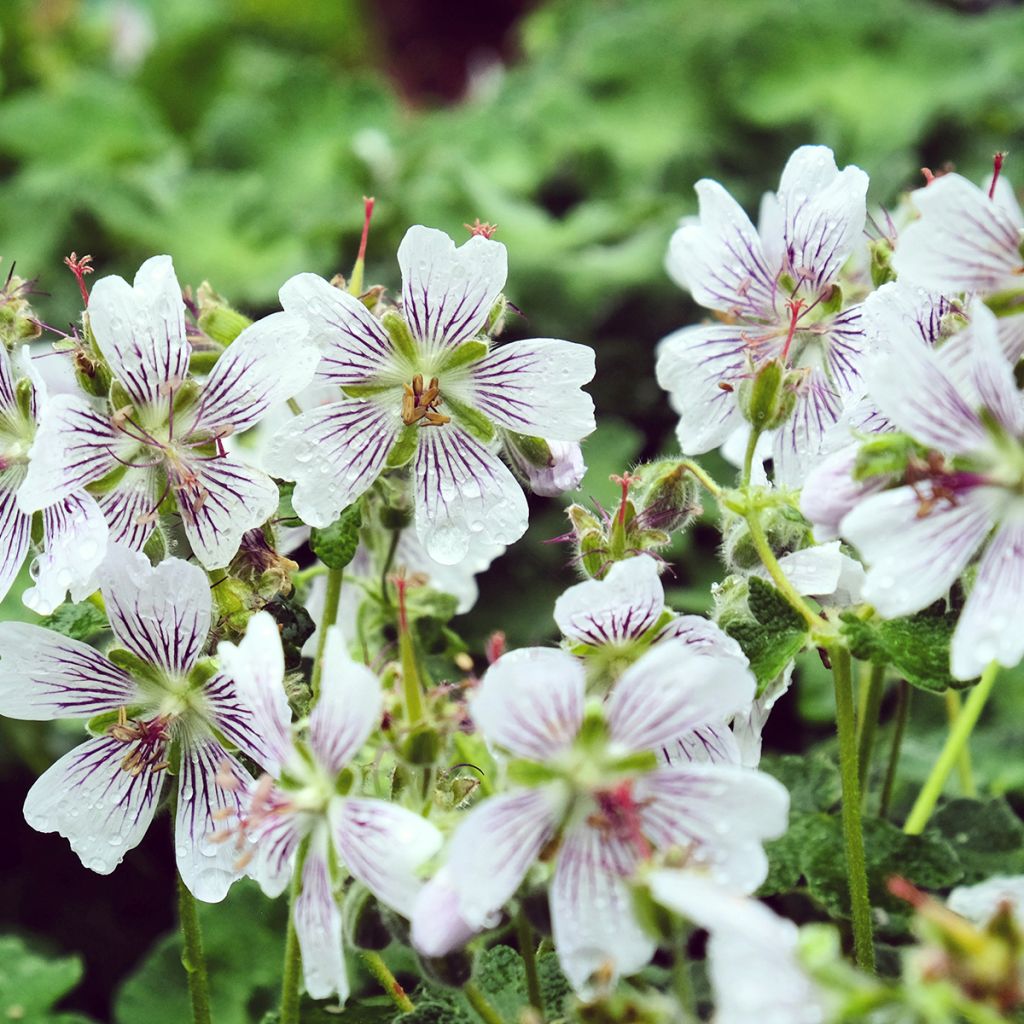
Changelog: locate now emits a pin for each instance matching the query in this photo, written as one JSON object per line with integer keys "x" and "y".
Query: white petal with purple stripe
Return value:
{"x": 318, "y": 927}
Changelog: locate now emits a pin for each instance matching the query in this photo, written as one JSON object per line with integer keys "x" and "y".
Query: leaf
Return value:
{"x": 30, "y": 984}
{"x": 335, "y": 545}
{"x": 812, "y": 780}
{"x": 917, "y": 646}
{"x": 78, "y": 621}
{"x": 986, "y": 834}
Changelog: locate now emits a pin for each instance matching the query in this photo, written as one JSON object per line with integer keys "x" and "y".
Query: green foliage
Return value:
{"x": 82, "y": 621}
{"x": 986, "y": 834}
{"x": 30, "y": 984}
{"x": 335, "y": 545}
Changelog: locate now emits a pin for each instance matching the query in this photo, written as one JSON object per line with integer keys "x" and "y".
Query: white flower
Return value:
{"x": 979, "y": 903}
{"x": 164, "y": 434}
{"x": 426, "y": 387}
{"x": 774, "y": 286}
{"x": 608, "y": 813}
{"x": 379, "y": 843}
{"x": 159, "y": 697}
{"x": 562, "y": 471}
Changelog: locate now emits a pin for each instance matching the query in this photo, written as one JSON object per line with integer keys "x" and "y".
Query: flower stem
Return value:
{"x": 956, "y": 741}
{"x": 702, "y": 476}
{"x": 487, "y": 1013}
{"x": 529, "y": 954}
{"x": 963, "y": 762}
{"x": 192, "y": 957}
{"x": 872, "y": 693}
{"x": 388, "y": 981}
{"x": 856, "y": 865}
{"x": 292, "y": 975}
{"x": 902, "y": 714}
{"x": 331, "y": 599}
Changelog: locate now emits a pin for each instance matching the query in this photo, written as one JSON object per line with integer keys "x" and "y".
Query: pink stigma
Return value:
{"x": 80, "y": 267}
{"x": 367, "y": 214}
{"x": 477, "y": 228}
{"x": 625, "y": 482}
{"x": 997, "y": 166}
{"x": 794, "y": 306}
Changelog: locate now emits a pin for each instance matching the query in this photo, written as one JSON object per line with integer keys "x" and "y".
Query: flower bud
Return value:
{"x": 17, "y": 319}
{"x": 217, "y": 320}
{"x": 881, "y": 262}
{"x": 768, "y": 399}
{"x": 549, "y": 468}
{"x": 665, "y": 496}
{"x": 785, "y": 529}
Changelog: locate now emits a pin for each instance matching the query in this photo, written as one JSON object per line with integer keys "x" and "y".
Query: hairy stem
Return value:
{"x": 388, "y": 981}
{"x": 903, "y": 692}
{"x": 192, "y": 957}
{"x": 292, "y": 952}
{"x": 702, "y": 476}
{"x": 331, "y": 599}
{"x": 856, "y": 865}
{"x": 529, "y": 954}
{"x": 487, "y": 1013}
{"x": 813, "y": 619}
{"x": 956, "y": 741}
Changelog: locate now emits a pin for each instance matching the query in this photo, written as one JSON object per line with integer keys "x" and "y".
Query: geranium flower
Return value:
{"x": 300, "y": 799}
{"x": 426, "y": 387}
{"x": 918, "y": 538}
{"x": 74, "y": 535}
{"x": 162, "y": 433}
{"x": 592, "y": 800}
{"x": 163, "y": 710}
{"x": 773, "y": 288}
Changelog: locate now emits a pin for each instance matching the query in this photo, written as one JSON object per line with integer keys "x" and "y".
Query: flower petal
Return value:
{"x": 384, "y": 846}
{"x": 534, "y": 387}
{"x": 227, "y": 500}
{"x": 448, "y": 293}
{"x": 130, "y": 508}
{"x": 710, "y": 744}
{"x": 44, "y": 675}
{"x": 459, "y": 579}
{"x": 701, "y": 635}
{"x": 207, "y": 867}
{"x": 830, "y": 492}
{"x": 276, "y": 842}
{"x": 354, "y": 344}
{"x": 979, "y": 903}
{"x": 102, "y": 810}
{"x": 74, "y": 545}
{"x": 672, "y": 690}
{"x": 619, "y": 608}
{"x": 800, "y": 441}
{"x": 437, "y": 925}
{"x": 593, "y": 922}
{"x": 721, "y": 814}
{"x": 913, "y": 559}
{"x": 531, "y": 702}
{"x": 141, "y": 330}
{"x": 992, "y": 373}
{"x": 986, "y": 630}
{"x": 333, "y": 454}
{"x": 15, "y": 528}
{"x": 463, "y": 489}
{"x": 348, "y": 709}
{"x": 270, "y": 361}
{"x": 318, "y": 927}
{"x": 160, "y": 613}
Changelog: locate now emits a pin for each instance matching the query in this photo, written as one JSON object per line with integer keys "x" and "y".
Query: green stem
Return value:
{"x": 488, "y": 1014}
{"x": 192, "y": 955}
{"x": 388, "y": 981}
{"x": 529, "y": 954}
{"x": 748, "y": 455}
{"x": 389, "y": 560}
{"x": 303, "y": 576}
{"x": 702, "y": 476}
{"x": 856, "y": 865}
{"x": 956, "y": 741}
{"x": 963, "y": 762}
{"x": 330, "y": 615}
{"x": 871, "y": 702}
{"x": 292, "y": 951}
{"x": 902, "y": 714}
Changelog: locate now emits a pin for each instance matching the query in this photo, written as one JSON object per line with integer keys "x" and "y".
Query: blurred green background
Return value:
{"x": 240, "y": 136}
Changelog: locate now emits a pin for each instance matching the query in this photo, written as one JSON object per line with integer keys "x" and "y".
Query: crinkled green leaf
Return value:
{"x": 31, "y": 984}
{"x": 987, "y": 836}
{"x": 82, "y": 621}
{"x": 812, "y": 779}
{"x": 335, "y": 545}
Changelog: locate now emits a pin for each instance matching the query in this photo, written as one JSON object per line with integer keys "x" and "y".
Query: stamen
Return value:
{"x": 997, "y": 166}
{"x": 80, "y": 267}
{"x": 419, "y": 403}
{"x": 150, "y": 742}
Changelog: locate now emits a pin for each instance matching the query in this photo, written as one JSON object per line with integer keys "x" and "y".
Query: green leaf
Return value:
{"x": 30, "y": 984}
{"x": 917, "y": 647}
{"x": 78, "y": 621}
{"x": 812, "y": 780}
{"x": 335, "y": 545}
{"x": 987, "y": 836}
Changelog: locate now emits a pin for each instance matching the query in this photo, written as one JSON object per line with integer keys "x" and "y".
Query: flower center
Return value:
{"x": 618, "y": 817}
{"x": 419, "y": 403}
{"x": 146, "y": 742}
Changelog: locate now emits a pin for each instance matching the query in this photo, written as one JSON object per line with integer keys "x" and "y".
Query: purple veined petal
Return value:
{"x": 448, "y": 292}
{"x": 354, "y": 345}
{"x": 824, "y": 210}
{"x": 963, "y": 241}
{"x": 160, "y": 613}
{"x": 800, "y": 441}
{"x": 494, "y": 846}
{"x": 88, "y": 797}
{"x": 710, "y": 744}
{"x": 437, "y": 925}
{"x": 384, "y": 846}
{"x": 692, "y": 362}
{"x": 275, "y": 841}
{"x": 1011, "y": 337}
{"x": 15, "y": 528}
{"x": 8, "y": 383}
{"x": 227, "y": 499}
{"x": 1005, "y": 197}
{"x": 208, "y": 867}
{"x": 753, "y": 954}
{"x": 614, "y": 610}
{"x": 701, "y": 635}
{"x": 721, "y": 814}
{"x": 74, "y": 546}
{"x": 845, "y": 346}
{"x": 593, "y": 923}
{"x": 333, "y": 454}
{"x": 992, "y": 373}
{"x": 270, "y": 361}
{"x": 672, "y": 690}
{"x": 531, "y": 702}
{"x": 463, "y": 489}
{"x": 914, "y": 559}
{"x": 318, "y": 926}
{"x": 830, "y": 492}
{"x": 986, "y": 630}
{"x": 532, "y": 387}
{"x": 74, "y": 446}
{"x": 130, "y": 507}
{"x": 237, "y": 722}
{"x": 255, "y": 671}
{"x": 899, "y": 314}
{"x": 44, "y": 675}
{"x": 140, "y": 329}
{"x": 719, "y": 259}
